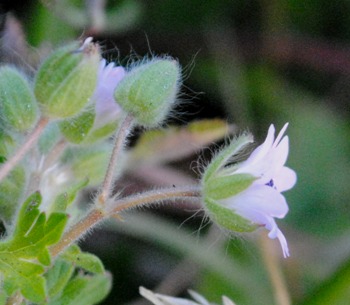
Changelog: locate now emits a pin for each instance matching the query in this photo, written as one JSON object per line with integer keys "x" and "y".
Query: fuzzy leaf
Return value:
{"x": 65, "y": 199}
{"x": 85, "y": 290}
{"x": 10, "y": 193}
{"x": 87, "y": 261}
{"x": 58, "y": 277}
{"x": 23, "y": 255}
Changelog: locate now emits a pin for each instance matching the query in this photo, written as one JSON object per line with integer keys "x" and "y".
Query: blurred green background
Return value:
{"x": 252, "y": 63}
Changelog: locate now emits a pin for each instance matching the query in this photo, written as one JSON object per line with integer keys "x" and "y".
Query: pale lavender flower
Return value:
{"x": 161, "y": 299}
{"x": 261, "y": 202}
{"x": 107, "y": 109}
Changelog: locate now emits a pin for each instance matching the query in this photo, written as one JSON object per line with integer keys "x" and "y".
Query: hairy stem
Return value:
{"x": 95, "y": 216}
{"x": 22, "y": 151}
{"x": 155, "y": 196}
{"x": 121, "y": 135}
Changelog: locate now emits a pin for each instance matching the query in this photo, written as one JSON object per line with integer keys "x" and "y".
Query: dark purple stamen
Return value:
{"x": 270, "y": 183}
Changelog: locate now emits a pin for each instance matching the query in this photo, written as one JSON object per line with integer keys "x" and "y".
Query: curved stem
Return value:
{"x": 95, "y": 216}
{"x": 21, "y": 152}
{"x": 155, "y": 196}
{"x": 120, "y": 139}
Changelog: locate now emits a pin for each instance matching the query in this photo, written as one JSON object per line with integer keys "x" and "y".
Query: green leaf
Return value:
{"x": 65, "y": 199}
{"x": 334, "y": 291}
{"x": 76, "y": 129}
{"x": 49, "y": 138}
{"x": 88, "y": 162}
{"x": 23, "y": 255}
{"x": 18, "y": 106}
{"x": 87, "y": 261}
{"x": 85, "y": 290}
{"x": 174, "y": 143}
{"x": 11, "y": 189}
{"x": 58, "y": 277}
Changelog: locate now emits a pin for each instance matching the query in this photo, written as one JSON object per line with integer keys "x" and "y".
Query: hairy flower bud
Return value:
{"x": 67, "y": 79}
{"x": 18, "y": 107}
{"x": 149, "y": 90}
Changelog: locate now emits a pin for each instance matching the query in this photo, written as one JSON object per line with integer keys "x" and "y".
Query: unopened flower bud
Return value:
{"x": 101, "y": 119}
{"x": 18, "y": 107}
{"x": 148, "y": 91}
{"x": 67, "y": 79}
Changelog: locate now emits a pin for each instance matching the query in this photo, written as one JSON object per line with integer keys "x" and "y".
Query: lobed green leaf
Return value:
{"x": 24, "y": 254}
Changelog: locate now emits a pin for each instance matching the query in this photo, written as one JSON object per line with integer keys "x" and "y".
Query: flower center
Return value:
{"x": 270, "y": 183}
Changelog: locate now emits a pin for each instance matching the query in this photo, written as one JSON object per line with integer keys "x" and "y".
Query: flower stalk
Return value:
{"x": 120, "y": 139}
{"x": 96, "y": 215}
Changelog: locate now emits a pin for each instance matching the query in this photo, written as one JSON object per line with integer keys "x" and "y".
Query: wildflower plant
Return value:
{"x": 55, "y": 143}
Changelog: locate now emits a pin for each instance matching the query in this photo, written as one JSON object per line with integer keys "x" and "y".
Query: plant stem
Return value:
{"x": 21, "y": 152}
{"x": 77, "y": 231}
{"x": 155, "y": 196}
{"x": 95, "y": 216}
{"x": 121, "y": 135}
{"x": 272, "y": 265}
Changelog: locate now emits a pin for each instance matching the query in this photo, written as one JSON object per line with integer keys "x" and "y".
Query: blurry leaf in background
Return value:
{"x": 234, "y": 269}
{"x": 333, "y": 291}
{"x": 319, "y": 151}
{"x": 175, "y": 143}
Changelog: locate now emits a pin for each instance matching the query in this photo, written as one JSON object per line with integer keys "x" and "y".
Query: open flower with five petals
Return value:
{"x": 245, "y": 195}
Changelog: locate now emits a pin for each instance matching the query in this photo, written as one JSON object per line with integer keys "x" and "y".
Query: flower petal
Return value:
{"x": 258, "y": 198}
{"x": 260, "y": 152}
{"x": 285, "y": 179}
{"x": 107, "y": 109}
{"x": 280, "y": 134}
{"x": 160, "y": 299}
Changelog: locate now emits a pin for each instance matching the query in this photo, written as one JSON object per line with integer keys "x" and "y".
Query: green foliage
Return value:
{"x": 11, "y": 190}
{"x": 333, "y": 291}
{"x": 88, "y": 162}
{"x": 25, "y": 253}
{"x": 84, "y": 290}
{"x": 65, "y": 286}
{"x": 64, "y": 200}
{"x": 87, "y": 261}
{"x": 49, "y": 138}
{"x": 174, "y": 143}
{"x": 18, "y": 107}
{"x": 149, "y": 90}
{"x": 76, "y": 129}
{"x": 81, "y": 130}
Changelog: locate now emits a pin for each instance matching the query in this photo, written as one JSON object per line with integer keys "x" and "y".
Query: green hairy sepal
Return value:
{"x": 149, "y": 90}
{"x": 66, "y": 80}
